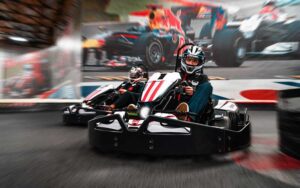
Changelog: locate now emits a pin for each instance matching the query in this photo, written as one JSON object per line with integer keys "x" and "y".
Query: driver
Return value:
{"x": 198, "y": 89}
{"x": 129, "y": 91}
{"x": 269, "y": 8}
{"x": 158, "y": 20}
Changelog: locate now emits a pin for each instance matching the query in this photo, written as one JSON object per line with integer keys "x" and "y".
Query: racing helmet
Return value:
{"x": 196, "y": 53}
{"x": 135, "y": 74}
{"x": 269, "y": 3}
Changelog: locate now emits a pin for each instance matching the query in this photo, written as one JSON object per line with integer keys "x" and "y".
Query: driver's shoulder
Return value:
{"x": 202, "y": 78}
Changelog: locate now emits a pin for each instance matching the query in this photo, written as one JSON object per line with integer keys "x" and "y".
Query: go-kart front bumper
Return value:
{"x": 79, "y": 115}
{"x": 199, "y": 139}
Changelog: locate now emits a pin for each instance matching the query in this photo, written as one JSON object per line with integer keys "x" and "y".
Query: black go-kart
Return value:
{"x": 154, "y": 129}
{"x": 91, "y": 106}
{"x": 96, "y": 102}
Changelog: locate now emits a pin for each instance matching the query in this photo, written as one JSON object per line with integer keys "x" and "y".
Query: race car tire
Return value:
{"x": 229, "y": 48}
{"x": 288, "y": 112}
{"x": 98, "y": 54}
{"x": 84, "y": 56}
{"x": 154, "y": 53}
{"x": 205, "y": 32}
{"x": 293, "y": 32}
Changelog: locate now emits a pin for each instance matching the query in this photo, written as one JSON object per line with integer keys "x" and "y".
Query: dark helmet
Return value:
{"x": 135, "y": 73}
{"x": 194, "y": 52}
{"x": 269, "y": 3}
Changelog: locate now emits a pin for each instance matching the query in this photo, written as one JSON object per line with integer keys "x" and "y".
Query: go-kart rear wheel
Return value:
{"x": 154, "y": 53}
{"x": 229, "y": 48}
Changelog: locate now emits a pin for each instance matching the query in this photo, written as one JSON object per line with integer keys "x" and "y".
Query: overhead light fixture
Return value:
{"x": 19, "y": 39}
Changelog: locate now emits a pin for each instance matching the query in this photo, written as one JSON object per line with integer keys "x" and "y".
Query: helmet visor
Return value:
{"x": 193, "y": 61}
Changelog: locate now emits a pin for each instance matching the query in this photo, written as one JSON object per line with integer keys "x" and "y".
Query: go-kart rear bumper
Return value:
{"x": 200, "y": 140}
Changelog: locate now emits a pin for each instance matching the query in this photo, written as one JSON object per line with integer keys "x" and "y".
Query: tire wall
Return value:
{"x": 288, "y": 113}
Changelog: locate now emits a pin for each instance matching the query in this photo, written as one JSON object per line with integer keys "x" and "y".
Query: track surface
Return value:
{"x": 37, "y": 150}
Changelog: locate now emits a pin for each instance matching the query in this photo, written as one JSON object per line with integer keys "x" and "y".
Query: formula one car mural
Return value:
{"x": 35, "y": 78}
{"x": 227, "y": 42}
{"x": 270, "y": 33}
{"x": 151, "y": 127}
{"x": 155, "y": 43}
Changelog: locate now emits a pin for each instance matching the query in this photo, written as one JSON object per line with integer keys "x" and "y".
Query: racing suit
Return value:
{"x": 132, "y": 94}
{"x": 202, "y": 92}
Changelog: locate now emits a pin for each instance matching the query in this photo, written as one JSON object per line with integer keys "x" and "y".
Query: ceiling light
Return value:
{"x": 20, "y": 39}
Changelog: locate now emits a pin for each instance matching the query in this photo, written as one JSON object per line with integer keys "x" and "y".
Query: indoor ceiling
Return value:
{"x": 38, "y": 21}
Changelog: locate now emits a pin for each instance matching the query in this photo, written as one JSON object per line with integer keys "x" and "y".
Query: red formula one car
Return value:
{"x": 34, "y": 79}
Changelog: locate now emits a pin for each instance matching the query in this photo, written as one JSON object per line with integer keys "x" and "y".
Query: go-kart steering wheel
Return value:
{"x": 180, "y": 89}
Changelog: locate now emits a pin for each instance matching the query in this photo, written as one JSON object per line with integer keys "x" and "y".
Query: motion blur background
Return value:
{"x": 59, "y": 51}
{"x": 63, "y": 45}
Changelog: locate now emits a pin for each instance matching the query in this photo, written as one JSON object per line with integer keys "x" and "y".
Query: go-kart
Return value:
{"x": 153, "y": 128}
{"x": 94, "y": 104}
{"x": 91, "y": 106}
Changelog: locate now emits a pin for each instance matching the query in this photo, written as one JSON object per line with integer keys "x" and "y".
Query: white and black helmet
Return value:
{"x": 135, "y": 73}
{"x": 196, "y": 52}
{"x": 269, "y": 2}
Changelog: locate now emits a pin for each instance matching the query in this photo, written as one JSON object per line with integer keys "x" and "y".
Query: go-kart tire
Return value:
{"x": 205, "y": 32}
{"x": 229, "y": 48}
{"x": 289, "y": 122}
{"x": 154, "y": 53}
{"x": 67, "y": 124}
